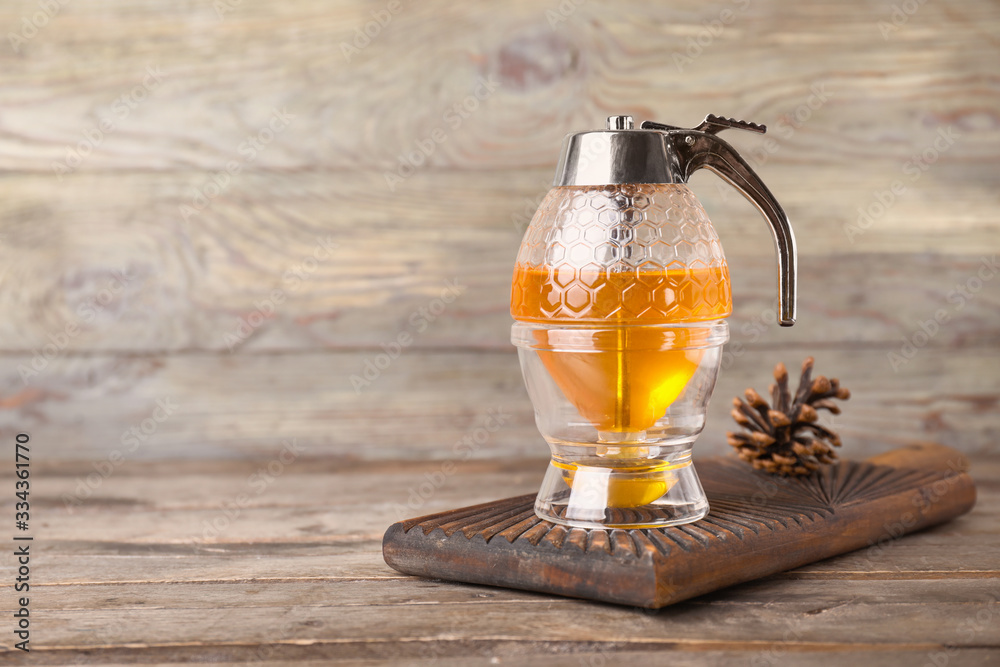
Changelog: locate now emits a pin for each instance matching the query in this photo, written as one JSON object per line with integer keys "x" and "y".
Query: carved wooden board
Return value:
{"x": 758, "y": 525}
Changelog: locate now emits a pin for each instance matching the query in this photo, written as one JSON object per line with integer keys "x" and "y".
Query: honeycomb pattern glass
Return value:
{"x": 626, "y": 253}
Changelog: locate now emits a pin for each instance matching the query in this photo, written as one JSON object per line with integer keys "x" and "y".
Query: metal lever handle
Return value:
{"x": 694, "y": 150}
{"x": 712, "y": 125}
{"x": 701, "y": 147}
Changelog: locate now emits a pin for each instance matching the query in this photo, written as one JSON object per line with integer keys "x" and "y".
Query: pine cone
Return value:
{"x": 784, "y": 437}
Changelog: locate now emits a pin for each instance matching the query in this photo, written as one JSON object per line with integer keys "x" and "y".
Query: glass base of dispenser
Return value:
{"x": 621, "y": 487}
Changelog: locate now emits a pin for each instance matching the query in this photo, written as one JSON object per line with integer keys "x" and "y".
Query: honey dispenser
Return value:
{"x": 619, "y": 296}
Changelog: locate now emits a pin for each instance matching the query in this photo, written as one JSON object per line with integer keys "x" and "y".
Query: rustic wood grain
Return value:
{"x": 247, "y": 405}
{"x": 229, "y": 600}
{"x": 163, "y": 335}
{"x": 431, "y": 653}
{"x": 252, "y": 257}
{"x": 221, "y": 78}
{"x": 748, "y": 532}
{"x": 929, "y": 624}
{"x": 196, "y": 279}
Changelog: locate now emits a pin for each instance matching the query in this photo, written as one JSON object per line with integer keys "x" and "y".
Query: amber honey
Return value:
{"x": 620, "y": 485}
{"x": 632, "y": 373}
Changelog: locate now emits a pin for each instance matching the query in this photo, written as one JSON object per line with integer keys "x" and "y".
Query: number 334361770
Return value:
{"x": 22, "y": 486}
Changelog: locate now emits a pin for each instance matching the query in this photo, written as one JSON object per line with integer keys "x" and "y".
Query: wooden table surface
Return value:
{"x": 116, "y": 299}
{"x": 195, "y": 562}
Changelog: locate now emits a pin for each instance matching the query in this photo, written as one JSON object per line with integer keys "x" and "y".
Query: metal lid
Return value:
{"x": 622, "y": 154}
{"x": 619, "y": 154}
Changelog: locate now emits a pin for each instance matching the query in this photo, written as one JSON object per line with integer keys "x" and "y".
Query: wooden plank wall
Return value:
{"x": 244, "y": 302}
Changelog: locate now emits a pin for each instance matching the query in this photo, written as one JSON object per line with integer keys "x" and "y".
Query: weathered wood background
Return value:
{"x": 851, "y": 93}
{"x": 136, "y": 271}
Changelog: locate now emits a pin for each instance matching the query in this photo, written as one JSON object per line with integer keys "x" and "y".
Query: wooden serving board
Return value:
{"x": 758, "y": 525}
